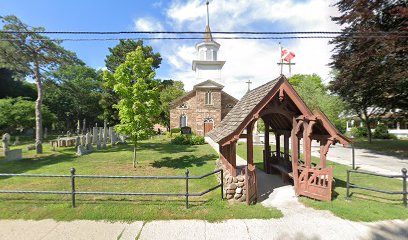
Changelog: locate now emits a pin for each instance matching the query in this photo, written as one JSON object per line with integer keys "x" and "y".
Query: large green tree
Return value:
{"x": 12, "y": 86}
{"x": 370, "y": 57}
{"x": 313, "y": 92}
{"x": 18, "y": 113}
{"x": 33, "y": 53}
{"x": 138, "y": 106}
{"x": 116, "y": 57}
{"x": 73, "y": 93}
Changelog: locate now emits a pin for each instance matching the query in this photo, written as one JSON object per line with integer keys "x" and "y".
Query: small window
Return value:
{"x": 208, "y": 98}
{"x": 183, "y": 121}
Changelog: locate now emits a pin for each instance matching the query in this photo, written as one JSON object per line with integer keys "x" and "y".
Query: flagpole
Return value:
{"x": 281, "y": 60}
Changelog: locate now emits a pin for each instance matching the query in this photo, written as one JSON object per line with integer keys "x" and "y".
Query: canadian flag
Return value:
{"x": 286, "y": 55}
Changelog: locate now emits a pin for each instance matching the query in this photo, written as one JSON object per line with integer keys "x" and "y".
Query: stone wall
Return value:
{"x": 234, "y": 187}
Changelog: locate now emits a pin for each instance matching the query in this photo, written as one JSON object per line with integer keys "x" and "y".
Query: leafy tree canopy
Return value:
{"x": 12, "y": 87}
{"x": 73, "y": 93}
{"x": 170, "y": 90}
{"x": 139, "y": 107}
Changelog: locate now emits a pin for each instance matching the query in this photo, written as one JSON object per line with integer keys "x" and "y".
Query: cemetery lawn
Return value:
{"x": 156, "y": 157}
{"x": 364, "y": 205}
{"x": 393, "y": 147}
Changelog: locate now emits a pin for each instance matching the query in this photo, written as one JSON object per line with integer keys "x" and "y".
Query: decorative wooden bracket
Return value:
{"x": 281, "y": 94}
{"x": 327, "y": 145}
{"x": 310, "y": 128}
{"x": 298, "y": 126}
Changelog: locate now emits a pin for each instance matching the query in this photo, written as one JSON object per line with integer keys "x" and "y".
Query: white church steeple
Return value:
{"x": 206, "y": 65}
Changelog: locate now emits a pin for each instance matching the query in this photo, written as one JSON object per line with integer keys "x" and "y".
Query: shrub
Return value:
{"x": 175, "y": 130}
{"x": 358, "y": 132}
{"x": 188, "y": 139}
{"x": 381, "y": 132}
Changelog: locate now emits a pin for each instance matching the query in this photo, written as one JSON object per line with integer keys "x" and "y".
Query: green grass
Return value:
{"x": 364, "y": 205}
{"x": 398, "y": 148}
{"x": 156, "y": 157}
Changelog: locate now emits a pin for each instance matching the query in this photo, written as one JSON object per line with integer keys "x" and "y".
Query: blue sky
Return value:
{"x": 246, "y": 59}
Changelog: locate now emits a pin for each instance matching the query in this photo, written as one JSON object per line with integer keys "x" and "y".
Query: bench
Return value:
{"x": 286, "y": 175}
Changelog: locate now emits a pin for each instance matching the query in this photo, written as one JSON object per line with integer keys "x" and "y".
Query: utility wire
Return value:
{"x": 191, "y": 32}
{"x": 199, "y": 38}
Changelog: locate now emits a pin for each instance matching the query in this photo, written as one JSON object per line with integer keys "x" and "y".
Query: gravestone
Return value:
{"x": 122, "y": 139}
{"x": 100, "y": 134}
{"x": 98, "y": 144}
{"x": 112, "y": 136}
{"x": 88, "y": 139}
{"x": 15, "y": 154}
{"x": 16, "y": 141}
{"x": 94, "y": 135}
{"x": 5, "y": 143}
{"x": 80, "y": 151}
{"x": 77, "y": 141}
{"x": 83, "y": 140}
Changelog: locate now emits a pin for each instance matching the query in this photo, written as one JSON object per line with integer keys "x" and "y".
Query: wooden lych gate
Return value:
{"x": 287, "y": 116}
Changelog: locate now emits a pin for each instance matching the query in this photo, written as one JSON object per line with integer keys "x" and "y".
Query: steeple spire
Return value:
{"x": 207, "y": 35}
{"x": 208, "y": 14}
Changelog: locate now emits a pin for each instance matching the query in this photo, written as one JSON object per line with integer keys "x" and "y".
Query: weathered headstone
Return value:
{"x": 15, "y": 154}
{"x": 100, "y": 134}
{"x": 84, "y": 126}
{"x": 94, "y": 135}
{"x": 98, "y": 144}
{"x": 80, "y": 151}
{"x": 88, "y": 139}
{"x": 5, "y": 142}
{"x": 16, "y": 141}
{"x": 112, "y": 136}
{"x": 77, "y": 141}
{"x": 105, "y": 134}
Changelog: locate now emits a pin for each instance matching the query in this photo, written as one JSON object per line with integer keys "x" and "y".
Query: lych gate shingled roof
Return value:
{"x": 241, "y": 111}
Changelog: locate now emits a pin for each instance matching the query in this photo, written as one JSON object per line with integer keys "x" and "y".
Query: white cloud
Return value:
{"x": 148, "y": 24}
{"x": 248, "y": 59}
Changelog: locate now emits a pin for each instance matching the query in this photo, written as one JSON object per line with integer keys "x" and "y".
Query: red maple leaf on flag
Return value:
{"x": 287, "y": 55}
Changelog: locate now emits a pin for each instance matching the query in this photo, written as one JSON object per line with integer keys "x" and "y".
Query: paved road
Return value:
{"x": 364, "y": 159}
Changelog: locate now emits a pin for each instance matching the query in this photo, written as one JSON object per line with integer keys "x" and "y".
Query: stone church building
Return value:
{"x": 207, "y": 104}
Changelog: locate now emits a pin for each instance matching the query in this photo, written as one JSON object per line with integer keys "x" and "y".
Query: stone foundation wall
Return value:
{"x": 234, "y": 187}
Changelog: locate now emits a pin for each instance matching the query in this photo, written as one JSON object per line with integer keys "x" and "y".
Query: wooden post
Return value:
{"x": 233, "y": 157}
{"x": 307, "y": 145}
{"x": 267, "y": 148}
{"x": 323, "y": 153}
{"x": 295, "y": 155}
{"x": 277, "y": 137}
{"x": 250, "y": 146}
{"x": 286, "y": 146}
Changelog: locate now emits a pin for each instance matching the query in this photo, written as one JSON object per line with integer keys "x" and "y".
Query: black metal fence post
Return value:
{"x": 222, "y": 184}
{"x": 187, "y": 172}
{"x": 404, "y": 186}
{"x": 73, "y": 186}
{"x": 348, "y": 185}
{"x": 353, "y": 156}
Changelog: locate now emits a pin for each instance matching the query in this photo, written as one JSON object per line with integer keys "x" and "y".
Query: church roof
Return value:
{"x": 254, "y": 101}
{"x": 241, "y": 111}
{"x": 208, "y": 84}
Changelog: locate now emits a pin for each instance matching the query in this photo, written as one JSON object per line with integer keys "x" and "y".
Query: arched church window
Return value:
{"x": 208, "y": 98}
{"x": 183, "y": 121}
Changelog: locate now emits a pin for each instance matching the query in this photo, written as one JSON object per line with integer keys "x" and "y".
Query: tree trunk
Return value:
{"x": 38, "y": 115}
{"x": 134, "y": 155}
{"x": 367, "y": 123}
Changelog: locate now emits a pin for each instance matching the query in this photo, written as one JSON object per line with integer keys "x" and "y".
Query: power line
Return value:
{"x": 192, "y": 32}
{"x": 198, "y": 38}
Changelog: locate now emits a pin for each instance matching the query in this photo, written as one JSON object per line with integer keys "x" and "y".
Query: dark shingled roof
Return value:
{"x": 241, "y": 111}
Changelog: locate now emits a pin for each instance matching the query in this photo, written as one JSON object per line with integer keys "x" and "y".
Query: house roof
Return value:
{"x": 253, "y": 102}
